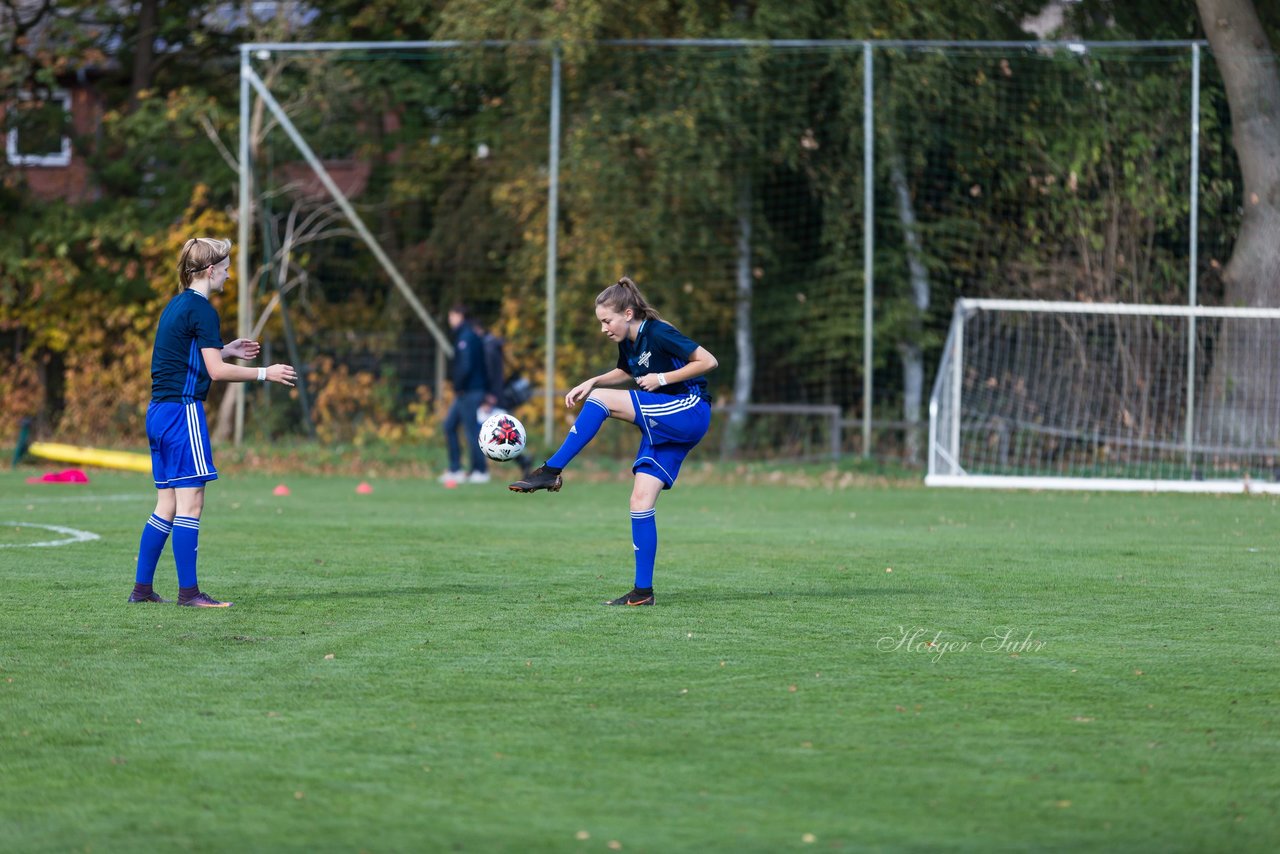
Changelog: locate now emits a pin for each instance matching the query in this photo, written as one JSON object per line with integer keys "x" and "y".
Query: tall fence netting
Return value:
{"x": 728, "y": 182}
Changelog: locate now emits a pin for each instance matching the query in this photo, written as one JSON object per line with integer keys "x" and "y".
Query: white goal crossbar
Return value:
{"x": 1062, "y": 395}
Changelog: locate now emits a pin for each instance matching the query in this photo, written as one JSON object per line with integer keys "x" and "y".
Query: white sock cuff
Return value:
{"x": 164, "y": 526}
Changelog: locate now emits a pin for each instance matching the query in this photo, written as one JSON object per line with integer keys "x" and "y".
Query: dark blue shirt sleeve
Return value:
{"x": 674, "y": 342}
{"x": 207, "y": 331}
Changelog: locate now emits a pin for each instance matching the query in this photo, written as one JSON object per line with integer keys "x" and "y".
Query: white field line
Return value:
{"x": 73, "y": 535}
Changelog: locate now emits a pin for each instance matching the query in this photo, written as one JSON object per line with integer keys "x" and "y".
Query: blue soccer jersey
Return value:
{"x": 660, "y": 348}
{"x": 187, "y": 325}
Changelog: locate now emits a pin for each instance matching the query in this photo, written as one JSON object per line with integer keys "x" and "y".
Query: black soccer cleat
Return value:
{"x": 202, "y": 600}
{"x": 635, "y": 597}
{"x": 152, "y": 596}
{"x": 543, "y": 477}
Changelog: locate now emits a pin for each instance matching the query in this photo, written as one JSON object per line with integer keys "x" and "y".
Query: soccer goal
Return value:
{"x": 1058, "y": 395}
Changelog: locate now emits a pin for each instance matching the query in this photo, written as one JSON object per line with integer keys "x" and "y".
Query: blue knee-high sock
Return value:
{"x": 154, "y": 535}
{"x": 583, "y": 431}
{"x": 186, "y": 541}
{"x": 644, "y": 538}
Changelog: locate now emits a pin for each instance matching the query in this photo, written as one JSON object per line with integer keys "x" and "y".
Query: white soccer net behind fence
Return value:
{"x": 1118, "y": 397}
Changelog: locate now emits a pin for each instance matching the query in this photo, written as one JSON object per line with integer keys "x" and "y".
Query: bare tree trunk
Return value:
{"x": 909, "y": 347}
{"x": 225, "y": 418}
{"x": 1236, "y": 408}
{"x": 145, "y": 51}
{"x": 744, "y": 375}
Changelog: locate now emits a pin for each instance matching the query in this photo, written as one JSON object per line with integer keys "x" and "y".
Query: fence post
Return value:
{"x": 836, "y": 438}
{"x": 868, "y": 241}
{"x": 243, "y": 285}
{"x": 1192, "y": 296}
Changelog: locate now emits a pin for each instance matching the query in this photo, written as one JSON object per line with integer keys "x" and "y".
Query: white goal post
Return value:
{"x": 1061, "y": 395}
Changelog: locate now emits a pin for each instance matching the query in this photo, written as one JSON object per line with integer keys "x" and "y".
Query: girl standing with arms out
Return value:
{"x": 188, "y": 354}
{"x": 671, "y": 408}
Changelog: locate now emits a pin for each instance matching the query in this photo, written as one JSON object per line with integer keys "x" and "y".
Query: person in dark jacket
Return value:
{"x": 470, "y": 379}
{"x": 508, "y": 390}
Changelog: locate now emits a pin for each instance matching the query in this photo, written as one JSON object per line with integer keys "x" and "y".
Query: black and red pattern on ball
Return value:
{"x": 505, "y": 433}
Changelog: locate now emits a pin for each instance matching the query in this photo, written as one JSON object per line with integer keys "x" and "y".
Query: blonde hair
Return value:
{"x": 624, "y": 294}
{"x": 198, "y": 255}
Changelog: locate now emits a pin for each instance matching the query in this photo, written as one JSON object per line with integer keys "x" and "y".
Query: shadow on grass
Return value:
{"x": 701, "y": 596}
{"x": 682, "y": 597}
{"x": 361, "y": 593}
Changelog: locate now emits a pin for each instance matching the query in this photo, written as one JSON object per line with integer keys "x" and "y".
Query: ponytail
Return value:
{"x": 624, "y": 294}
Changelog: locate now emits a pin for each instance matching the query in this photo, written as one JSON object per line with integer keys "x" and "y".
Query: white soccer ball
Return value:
{"x": 502, "y": 437}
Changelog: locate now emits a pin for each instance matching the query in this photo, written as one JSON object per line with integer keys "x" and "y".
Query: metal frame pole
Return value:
{"x": 244, "y": 286}
{"x": 286, "y": 124}
{"x": 957, "y": 389}
{"x": 868, "y": 241}
{"x": 789, "y": 44}
{"x": 1193, "y": 263}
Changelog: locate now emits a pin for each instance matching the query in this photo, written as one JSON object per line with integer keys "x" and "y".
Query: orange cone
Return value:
{"x": 280, "y": 490}
{"x": 364, "y": 489}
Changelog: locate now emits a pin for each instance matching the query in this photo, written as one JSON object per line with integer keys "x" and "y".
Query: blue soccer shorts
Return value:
{"x": 180, "y": 452}
{"x": 669, "y": 429}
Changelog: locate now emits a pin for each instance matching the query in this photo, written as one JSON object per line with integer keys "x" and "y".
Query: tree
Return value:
{"x": 1239, "y": 382}
{"x": 1249, "y": 72}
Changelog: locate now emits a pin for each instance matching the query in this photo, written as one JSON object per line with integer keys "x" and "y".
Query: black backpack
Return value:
{"x": 513, "y": 389}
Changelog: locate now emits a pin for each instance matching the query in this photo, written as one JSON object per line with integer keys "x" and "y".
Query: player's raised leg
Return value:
{"x": 596, "y": 409}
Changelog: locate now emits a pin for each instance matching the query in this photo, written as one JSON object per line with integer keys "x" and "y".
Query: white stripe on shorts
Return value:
{"x": 677, "y": 405}
{"x": 197, "y": 440}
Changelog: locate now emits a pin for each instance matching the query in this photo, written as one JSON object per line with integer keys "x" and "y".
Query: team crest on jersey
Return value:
{"x": 643, "y": 361}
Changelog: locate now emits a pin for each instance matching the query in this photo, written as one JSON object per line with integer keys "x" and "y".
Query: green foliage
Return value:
{"x": 41, "y": 127}
{"x": 1155, "y": 19}
{"x": 150, "y": 158}
{"x": 1068, "y": 179}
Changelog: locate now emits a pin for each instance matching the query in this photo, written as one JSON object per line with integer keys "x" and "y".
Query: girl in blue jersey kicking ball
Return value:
{"x": 188, "y": 354}
{"x": 671, "y": 408}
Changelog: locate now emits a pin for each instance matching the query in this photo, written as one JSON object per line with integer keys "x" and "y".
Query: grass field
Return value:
{"x": 423, "y": 669}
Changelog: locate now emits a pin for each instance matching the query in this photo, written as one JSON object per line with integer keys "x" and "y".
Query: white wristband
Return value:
{"x": 662, "y": 379}
{"x": 262, "y": 374}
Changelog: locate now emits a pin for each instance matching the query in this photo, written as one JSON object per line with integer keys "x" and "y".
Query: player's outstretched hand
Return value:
{"x": 283, "y": 374}
{"x": 578, "y": 393}
{"x": 242, "y": 348}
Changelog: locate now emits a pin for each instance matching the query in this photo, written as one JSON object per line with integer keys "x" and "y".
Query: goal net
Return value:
{"x": 1110, "y": 397}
